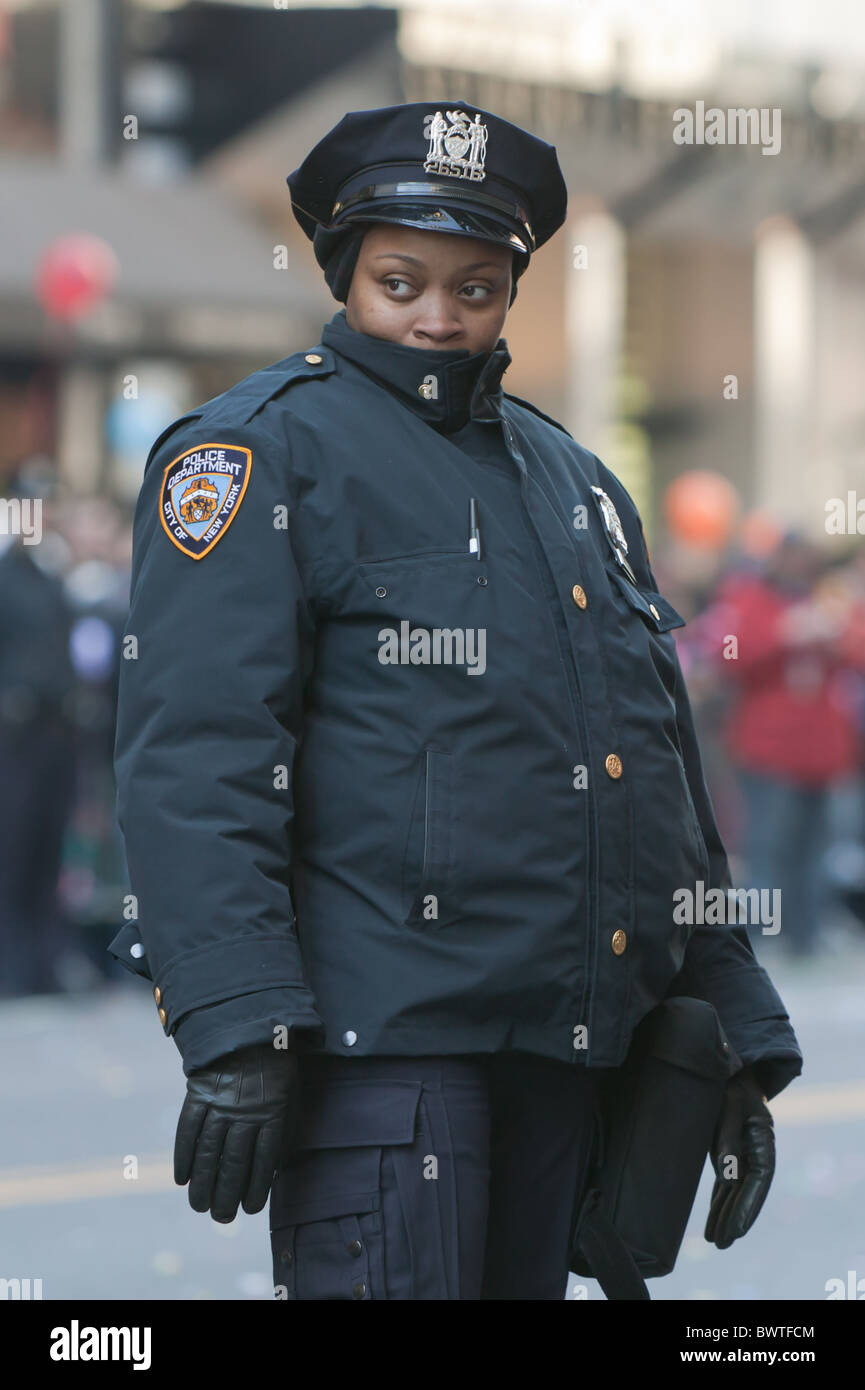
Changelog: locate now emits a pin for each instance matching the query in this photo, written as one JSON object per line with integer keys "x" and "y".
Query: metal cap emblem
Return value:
{"x": 457, "y": 146}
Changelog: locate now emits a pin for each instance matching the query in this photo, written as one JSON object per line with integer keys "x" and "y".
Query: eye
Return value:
{"x": 485, "y": 291}
{"x": 392, "y": 282}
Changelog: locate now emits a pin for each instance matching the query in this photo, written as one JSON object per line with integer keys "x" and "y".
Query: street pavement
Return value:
{"x": 91, "y": 1090}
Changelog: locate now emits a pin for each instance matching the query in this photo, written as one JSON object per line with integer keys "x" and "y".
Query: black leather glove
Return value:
{"x": 744, "y": 1132}
{"x": 237, "y": 1120}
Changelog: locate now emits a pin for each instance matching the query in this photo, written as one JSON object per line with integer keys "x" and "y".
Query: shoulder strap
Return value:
{"x": 609, "y": 1258}
{"x": 240, "y": 403}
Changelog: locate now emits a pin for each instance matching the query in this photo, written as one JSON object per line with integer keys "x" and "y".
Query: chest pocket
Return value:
{"x": 433, "y": 602}
{"x": 656, "y": 617}
{"x": 426, "y": 572}
{"x": 659, "y": 614}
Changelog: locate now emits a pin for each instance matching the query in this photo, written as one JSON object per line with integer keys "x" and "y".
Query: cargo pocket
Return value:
{"x": 327, "y": 1212}
{"x": 428, "y": 868}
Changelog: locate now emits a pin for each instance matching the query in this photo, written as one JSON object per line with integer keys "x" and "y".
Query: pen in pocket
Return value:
{"x": 474, "y": 529}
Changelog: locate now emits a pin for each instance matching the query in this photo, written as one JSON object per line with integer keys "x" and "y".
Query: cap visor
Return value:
{"x": 440, "y": 217}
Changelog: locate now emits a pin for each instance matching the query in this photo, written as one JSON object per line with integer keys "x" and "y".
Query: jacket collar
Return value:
{"x": 467, "y": 386}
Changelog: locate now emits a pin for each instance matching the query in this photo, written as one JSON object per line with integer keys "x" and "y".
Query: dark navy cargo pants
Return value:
{"x": 433, "y": 1178}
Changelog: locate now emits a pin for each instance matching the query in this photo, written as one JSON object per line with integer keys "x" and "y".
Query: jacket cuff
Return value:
{"x": 774, "y": 1073}
{"x": 750, "y": 1009}
{"x": 263, "y": 1017}
{"x": 769, "y": 1047}
{"x": 245, "y": 964}
{"x": 128, "y": 950}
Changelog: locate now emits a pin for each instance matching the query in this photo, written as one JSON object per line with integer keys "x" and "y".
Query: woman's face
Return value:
{"x": 430, "y": 289}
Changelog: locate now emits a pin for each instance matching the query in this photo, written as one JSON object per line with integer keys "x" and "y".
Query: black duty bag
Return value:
{"x": 659, "y": 1111}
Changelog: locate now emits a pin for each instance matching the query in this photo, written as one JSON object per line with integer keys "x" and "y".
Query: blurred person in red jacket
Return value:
{"x": 791, "y": 644}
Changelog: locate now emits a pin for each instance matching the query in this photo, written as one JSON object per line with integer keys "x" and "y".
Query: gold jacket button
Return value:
{"x": 425, "y": 390}
{"x": 613, "y": 764}
{"x": 579, "y": 596}
{"x": 313, "y": 359}
{"x": 162, "y": 1017}
{"x": 157, "y": 995}
{"x": 619, "y": 942}
{"x": 654, "y": 612}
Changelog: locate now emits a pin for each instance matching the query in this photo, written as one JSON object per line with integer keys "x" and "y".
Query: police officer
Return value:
{"x": 407, "y": 773}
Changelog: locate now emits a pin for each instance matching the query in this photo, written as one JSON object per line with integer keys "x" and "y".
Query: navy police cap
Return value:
{"x": 442, "y": 166}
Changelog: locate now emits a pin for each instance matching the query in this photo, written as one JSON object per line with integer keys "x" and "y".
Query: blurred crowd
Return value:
{"x": 774, "y": 658}
{"x": 773, "y": 653}
{"x": 63, "y": 604}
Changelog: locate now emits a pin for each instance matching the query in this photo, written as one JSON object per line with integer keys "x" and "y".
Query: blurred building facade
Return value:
{"x": 702, "y": 308}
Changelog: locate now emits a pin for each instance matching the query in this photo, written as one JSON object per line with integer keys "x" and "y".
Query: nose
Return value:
{"x": 436, "y": 323}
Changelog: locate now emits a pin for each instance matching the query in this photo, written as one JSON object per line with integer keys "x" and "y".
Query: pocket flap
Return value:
{"x": 356, "y": 1118}
{"x": 688, "y": 1034}
{"x": 664, "y": 615}
{"x": 353, "y": 1114}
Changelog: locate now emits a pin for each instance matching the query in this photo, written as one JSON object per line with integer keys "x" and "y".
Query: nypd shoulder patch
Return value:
{"x": 201, "y": 492}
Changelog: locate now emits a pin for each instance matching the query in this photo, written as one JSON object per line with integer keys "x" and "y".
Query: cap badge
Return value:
{"x": 457, "y": 146}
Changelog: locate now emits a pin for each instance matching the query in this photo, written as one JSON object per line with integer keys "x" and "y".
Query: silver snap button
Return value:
{"x": 381, "y": 591}
{"x": 137, "y": 951}
{"x": 349, "y": 1038}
